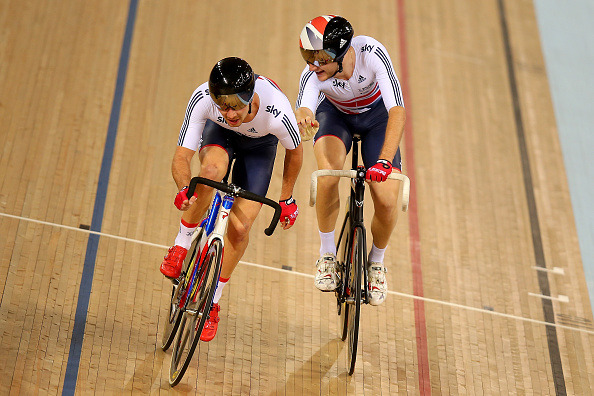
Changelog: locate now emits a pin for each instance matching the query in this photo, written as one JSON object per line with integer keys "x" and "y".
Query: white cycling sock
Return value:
{"x": 327, "y": 243}
{"x": 219, "y": 291}
{"x": 184, "y": 237}
{"x": 376, "y": 254}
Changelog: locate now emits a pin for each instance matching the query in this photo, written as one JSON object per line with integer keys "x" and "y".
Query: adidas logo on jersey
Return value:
{"x": 342, "y": 42}
{"x": 252, "y": 130}
{"x": 361, "y": 79}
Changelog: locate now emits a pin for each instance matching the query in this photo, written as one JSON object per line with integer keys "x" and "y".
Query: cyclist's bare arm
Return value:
{"x": 182, "y": 172}
{"x": 180, "y": 166}
{"x": 292, "y": 166}
{"x": 394, "y": 131}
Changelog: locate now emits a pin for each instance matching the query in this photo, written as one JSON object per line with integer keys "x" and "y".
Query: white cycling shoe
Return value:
{"x": 326, "y": 276}
{"x": 377, "y": 284}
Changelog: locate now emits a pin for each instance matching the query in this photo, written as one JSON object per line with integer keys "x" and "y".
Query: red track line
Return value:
{"x": 413, "y": 218}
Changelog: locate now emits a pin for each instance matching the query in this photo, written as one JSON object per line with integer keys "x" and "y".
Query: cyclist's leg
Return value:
{"x": 385, "y": 194}
{"x": 254, "y": 162}
{"x": 330, "y": 153}
{"x": 241, "y": 219}
{"x": 385, "y": 198}
{"x": 214, "y": 157}
{"x": 331, "y": 145}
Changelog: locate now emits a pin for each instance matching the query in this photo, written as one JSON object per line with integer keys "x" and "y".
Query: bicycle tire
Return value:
{"x": 354, "y": 286}
{"x": 342, "y": 249}
{"x": 174, "y": 313}
{"x": 194, "y": 317}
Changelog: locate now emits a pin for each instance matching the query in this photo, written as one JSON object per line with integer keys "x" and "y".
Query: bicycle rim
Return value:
{"x": 196, "y": 312}
{"x": 175, "y": 313}
{"x": 354, "y": 303}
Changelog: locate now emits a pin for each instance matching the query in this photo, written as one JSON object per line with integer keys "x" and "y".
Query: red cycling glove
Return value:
{"x": 181, "y": 197}
{"x": 380, "y": 171}
{"x": 289, "y": 211}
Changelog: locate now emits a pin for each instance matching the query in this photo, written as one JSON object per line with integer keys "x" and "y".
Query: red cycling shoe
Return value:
{"x": 172, "y": 263}
{"x": 212, "y": 323}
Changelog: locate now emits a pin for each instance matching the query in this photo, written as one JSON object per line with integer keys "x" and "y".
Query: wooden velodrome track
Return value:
{"x": 486, "y": 256}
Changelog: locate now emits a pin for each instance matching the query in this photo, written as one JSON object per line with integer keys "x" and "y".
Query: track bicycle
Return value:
{"x": 351, "y": 249}
{"x": 193, "y": 290}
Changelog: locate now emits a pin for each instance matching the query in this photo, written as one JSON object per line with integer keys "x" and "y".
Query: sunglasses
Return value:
{"x": 236, "y": 101}
{"x": 317, "y": 57}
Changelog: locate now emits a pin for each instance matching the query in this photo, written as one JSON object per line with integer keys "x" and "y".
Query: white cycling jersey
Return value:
{"x": 274, "y": 116}
{"x": 372, "y": 79}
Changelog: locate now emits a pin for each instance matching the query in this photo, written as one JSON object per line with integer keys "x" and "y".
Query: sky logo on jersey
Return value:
{"x": 273, "y": 111}
{"x": 336, "y": 83}
{"x": 367, "y": 47}
{"x": 221, "y": 120}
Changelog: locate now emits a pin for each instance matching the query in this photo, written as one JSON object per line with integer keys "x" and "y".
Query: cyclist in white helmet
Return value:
{"x": 349, "y": 86}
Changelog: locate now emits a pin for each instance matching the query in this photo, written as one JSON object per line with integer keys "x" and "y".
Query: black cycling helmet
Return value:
{"x": 231, "y": 84}
{"x": 325, "y": 39}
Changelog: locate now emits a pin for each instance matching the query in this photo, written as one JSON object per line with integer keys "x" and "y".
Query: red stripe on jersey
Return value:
{"x": 359, "y": 98}
{"x": 271, "y": 81}
{"x": 357, "y": 102}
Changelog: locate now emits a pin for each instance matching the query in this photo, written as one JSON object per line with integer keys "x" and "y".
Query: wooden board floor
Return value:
{"x": 490, "y": 229}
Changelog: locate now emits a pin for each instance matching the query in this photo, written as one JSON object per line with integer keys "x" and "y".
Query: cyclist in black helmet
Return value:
{"x": 242, "y": 116}
{"x": 349, "y": 86}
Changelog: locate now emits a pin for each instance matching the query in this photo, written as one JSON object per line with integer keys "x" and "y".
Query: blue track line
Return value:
{"x": 86, "y": 282}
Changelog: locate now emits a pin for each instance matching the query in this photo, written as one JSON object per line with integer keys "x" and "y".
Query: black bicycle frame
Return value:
{"x": 356, "y": 207}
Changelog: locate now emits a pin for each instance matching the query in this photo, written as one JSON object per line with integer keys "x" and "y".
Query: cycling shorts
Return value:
{"x": 370, "y": 125}
{"x": 254, "y": 157}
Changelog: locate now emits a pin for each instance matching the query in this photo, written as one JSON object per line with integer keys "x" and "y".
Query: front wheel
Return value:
{"x": 353, "y": 300}
{"x": 175, "y": 312}
{"x": 197, "y": 310}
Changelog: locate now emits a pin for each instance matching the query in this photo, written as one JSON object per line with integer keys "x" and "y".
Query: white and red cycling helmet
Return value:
{"x": 325, "y": 39}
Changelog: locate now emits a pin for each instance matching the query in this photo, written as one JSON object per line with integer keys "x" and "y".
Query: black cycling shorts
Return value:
{"x": 254, "y": 157}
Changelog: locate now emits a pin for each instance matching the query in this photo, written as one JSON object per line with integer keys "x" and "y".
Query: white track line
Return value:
{"x": 425, "y": 299}
{"x": 85, "y": 231}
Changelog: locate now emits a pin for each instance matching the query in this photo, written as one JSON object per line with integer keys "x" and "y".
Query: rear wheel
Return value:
{"x": 197, "y": 310}
{"x": 353, "y": 300}
{"x": 174, "y": 315}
